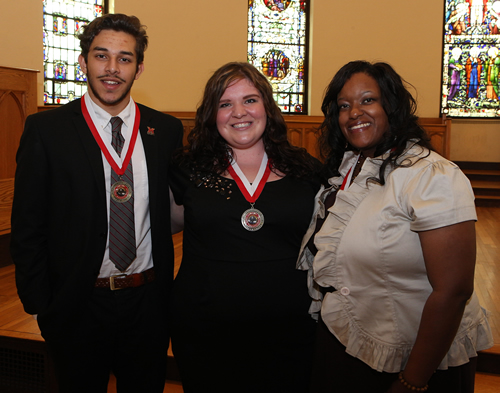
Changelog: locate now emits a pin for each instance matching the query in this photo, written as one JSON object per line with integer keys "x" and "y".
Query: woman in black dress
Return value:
{"x": 240, "y": 308}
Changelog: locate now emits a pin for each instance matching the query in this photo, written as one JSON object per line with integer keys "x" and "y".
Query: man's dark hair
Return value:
{"x": 117, "y": 22}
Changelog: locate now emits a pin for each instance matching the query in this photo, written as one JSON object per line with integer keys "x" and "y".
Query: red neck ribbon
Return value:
{"x": 260, "y": 187}
{"x": 119, "y": 170}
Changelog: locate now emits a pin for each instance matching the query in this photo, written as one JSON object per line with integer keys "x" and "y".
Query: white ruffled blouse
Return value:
{"x": 369, "y": 250}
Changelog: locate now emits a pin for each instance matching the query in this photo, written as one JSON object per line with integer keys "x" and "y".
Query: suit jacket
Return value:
{"x": 59, "y": 213}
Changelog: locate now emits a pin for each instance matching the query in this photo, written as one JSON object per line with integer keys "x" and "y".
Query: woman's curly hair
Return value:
{"x": 207, "y": 151}
{"x": 398, "y": 104}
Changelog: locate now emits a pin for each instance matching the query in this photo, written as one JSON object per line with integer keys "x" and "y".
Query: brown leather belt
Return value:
{"x": 121, "y": 281}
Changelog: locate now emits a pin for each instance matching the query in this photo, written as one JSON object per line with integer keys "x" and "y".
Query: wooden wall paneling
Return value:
{"x": 308, "y": 126}
{"x": 6, "y": 196}
{"x": 296, "y": 135}
{"x": 439, "y": 130}
{"x": 303, "y": 131}
{"x": 304, "y": 135}
{"x": 188, "y": 125}
{"x": 17, "y": 101}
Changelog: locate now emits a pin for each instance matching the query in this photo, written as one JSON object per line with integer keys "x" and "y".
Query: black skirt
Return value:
{"x": 335, "y": 371}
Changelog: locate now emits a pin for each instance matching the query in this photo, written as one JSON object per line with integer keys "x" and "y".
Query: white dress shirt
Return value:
{"x": 101, "y": 119}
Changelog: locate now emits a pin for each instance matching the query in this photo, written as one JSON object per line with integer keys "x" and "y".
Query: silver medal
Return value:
{"x": 252, "y": 219}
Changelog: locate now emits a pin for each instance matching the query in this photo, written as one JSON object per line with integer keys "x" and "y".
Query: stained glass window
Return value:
{"x": 471, "y": 61}
{"x": 277, "y": 46}
{"x": 62, "y": 19}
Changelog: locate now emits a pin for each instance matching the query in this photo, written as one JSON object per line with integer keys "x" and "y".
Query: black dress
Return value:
{"x": 240, "y": 319}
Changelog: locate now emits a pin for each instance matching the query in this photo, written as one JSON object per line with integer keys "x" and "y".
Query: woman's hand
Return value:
{"x": 176, "y": 215}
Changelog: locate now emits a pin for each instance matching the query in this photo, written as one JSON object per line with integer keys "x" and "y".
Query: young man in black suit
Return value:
{"x": 91, "y": 221}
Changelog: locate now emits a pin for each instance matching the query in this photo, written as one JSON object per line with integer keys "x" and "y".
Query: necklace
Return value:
{"x": 359, "y": 165}
{"x": 353, "y": 171}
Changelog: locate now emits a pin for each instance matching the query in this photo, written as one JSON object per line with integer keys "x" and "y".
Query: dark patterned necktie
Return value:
{"x": 122, "y": 249}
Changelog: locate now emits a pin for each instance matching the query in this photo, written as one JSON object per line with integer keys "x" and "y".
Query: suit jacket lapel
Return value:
{"x": 150, "y": 151}
{"x": 91, "y": 148}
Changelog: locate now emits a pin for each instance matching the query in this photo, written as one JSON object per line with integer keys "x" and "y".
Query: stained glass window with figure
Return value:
{"x": 277, "y": 46}
{"x": 62, "y": 19}
{"x": 471, "y": 59}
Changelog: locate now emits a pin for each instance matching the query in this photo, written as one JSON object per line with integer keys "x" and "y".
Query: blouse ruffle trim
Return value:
{"x": 392, "y": 358}
{"x": 343, "y": 211}
{"x": 328, "y": 238}
{"x": 306, "y": 258}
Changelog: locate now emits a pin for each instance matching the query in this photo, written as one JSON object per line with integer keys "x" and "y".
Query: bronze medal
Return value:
{"x": 121, "y": 191}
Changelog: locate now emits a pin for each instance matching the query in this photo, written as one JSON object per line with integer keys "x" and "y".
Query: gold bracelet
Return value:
{"x": 409, "y": 386}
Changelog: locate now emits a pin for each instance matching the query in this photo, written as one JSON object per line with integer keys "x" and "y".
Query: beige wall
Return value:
{"x": 385, "y": 30}
{"x": 188, "y": 43}
{"x": 475, "y": 140}
{"x": 21, "y": 39}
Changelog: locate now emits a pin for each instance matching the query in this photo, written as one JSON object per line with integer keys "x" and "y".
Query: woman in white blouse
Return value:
{"x": 391, "y": 248}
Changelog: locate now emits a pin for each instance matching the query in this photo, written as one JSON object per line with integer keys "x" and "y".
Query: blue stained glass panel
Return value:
{"x": 79, "y": 75}
{"x": 471, "y": 62}
{"x": 60, "y": 69}
{"x": 62, "y": 20}
{"x": 277, "y": 46}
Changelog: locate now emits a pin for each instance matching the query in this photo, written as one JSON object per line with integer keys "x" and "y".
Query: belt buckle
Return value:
{"x": 112, "y": 281}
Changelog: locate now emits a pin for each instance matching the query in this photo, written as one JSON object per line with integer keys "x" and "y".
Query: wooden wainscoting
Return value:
{"x": 187, "y": 119}
{"x": 302, "y": 130}
{"x": 17, "y": 101}
{"x": 439, "y": 129}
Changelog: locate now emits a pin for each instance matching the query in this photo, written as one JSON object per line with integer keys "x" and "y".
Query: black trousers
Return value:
{"x": 335, "y": 371}
{"x": 123, "y": 332}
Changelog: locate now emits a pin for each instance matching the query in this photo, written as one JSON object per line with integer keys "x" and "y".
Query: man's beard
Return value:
{"x": 108, "y": 103}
